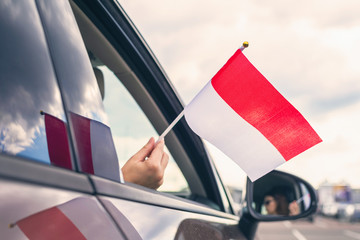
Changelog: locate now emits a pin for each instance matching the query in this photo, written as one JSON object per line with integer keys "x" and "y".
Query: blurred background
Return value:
{"x": 307, "y": 49}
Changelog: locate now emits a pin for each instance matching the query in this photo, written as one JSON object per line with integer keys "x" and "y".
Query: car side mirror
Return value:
{"x": 280, "y": 196}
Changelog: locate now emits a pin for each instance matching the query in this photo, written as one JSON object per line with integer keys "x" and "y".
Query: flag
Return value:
{"x": 57, "y": 141}
{"x": 243, "y": 115}
{"x": 96, "y": 149}
{"x": 80, "y": 218}
{"x": 94, "y": 143}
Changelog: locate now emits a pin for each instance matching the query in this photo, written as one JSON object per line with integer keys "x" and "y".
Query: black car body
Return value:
{"x": 49, "y": 50}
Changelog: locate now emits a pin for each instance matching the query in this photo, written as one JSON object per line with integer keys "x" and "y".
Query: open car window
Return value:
{"x": 132, "y": 114}
{"x": 131, "y": 128}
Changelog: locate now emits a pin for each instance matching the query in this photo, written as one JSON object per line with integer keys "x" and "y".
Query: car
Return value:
{"x": 80, "y": 92}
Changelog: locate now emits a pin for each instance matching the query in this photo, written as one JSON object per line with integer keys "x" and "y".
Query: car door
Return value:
{"x": 40, "y": 198}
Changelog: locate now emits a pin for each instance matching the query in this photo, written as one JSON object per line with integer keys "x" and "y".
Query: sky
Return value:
{"x": 307, "y": 49}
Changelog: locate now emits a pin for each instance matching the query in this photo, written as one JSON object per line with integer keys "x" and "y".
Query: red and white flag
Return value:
{"x": 80, "y": 218}
{"x": 57, "y": 141}
{"x": 94, "y": 143}
{"x": 243, "y": 115}
{"x": 96, "y": 149}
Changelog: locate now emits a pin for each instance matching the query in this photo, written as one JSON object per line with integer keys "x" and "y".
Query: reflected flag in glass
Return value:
{"x": 96, "y": 149}
{"x": 57, "y": 141}
{"x": 80, "y": 218}
{"x": 94, "y": 143}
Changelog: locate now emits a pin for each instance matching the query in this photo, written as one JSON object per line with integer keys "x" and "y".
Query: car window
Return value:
{"x": 131, "y": 129}
{"x": 29, "y": 92}
{"x": 129, "y": 109}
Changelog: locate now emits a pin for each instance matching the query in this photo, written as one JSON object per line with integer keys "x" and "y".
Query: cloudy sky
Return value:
{"x": 307, "y": 49}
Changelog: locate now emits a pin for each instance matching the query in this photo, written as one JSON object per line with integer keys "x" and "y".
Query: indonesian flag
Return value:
{"x": 243, "y": 115}
{"x": 57, "y": 141}
{"x": 80, "y": 218}
{"x": 96, "y": 149}
{"x": 93, "y": 140}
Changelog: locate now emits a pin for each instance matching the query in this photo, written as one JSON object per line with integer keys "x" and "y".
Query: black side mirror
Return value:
{"x": 280, "y": 196}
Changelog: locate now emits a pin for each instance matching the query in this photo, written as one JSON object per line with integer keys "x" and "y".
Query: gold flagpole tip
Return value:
{"x": 42, "y": 112}
{"x": 11, "y": 225}
{"x": 245, "y": 44}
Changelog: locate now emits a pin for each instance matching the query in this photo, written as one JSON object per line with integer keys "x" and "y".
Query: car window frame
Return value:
{"x": 143, "y": 70}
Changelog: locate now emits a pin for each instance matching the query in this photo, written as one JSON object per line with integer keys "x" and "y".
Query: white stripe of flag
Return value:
{"x": 243, "y": 115}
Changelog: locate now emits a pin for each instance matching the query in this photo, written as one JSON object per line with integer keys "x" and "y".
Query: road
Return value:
{"x": 321, "y": 228}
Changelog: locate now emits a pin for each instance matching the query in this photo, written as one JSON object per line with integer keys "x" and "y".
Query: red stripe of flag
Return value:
{"x": 251, "y": 96}
{"x": 57, "y": 142}
{"x": 81, "y": 128}
{"x": 49, "y": 224}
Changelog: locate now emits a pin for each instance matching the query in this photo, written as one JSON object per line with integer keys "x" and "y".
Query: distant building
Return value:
{"x": 355, "y": 195}
{"x": 333, "y": 198}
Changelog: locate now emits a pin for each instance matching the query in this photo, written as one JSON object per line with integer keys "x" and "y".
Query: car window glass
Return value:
{"x": 90, "y": 136}
{"x": 28, "y": 85}
{"x": 131, "y": 129}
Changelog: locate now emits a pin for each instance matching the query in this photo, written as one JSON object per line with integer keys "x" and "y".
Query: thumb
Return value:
{"x": 145, "y": 150}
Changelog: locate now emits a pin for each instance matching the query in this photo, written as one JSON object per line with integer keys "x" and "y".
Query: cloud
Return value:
{"x": 307, "y": 49}
{"x": 14, "y": 138}
{"x": 28, "y": 81}
{"x": 337, "y": 154}
{"x": 22, "y": 99}
{"x": 193, "y": 46}
{"x": 326, "y": 14}
{"x": 326, "y": 104}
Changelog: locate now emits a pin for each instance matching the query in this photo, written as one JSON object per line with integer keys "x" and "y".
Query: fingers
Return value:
{"x": 158, "y": 161}
{"x": 149, "y": 172}
{"x": 158, "y": 151}
{"x": 158, "y": 155}
{"x": 164, "y": 160}
{"x": 145, "y": 150}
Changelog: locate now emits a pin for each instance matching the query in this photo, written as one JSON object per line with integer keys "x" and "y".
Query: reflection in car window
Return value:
{"x": 93, "y": 148}
{"x": 131, "y": 129}
{"x": 305, "y": 196}
{"x": 28, "y": 84}
{"x": 74, "y": 73}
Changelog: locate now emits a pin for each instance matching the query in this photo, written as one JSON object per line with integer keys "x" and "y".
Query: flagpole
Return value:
{"x": 171, "y": 125}
{"x": 302, "y": 198}
{"x": 168, "y": 129}
{"x": 244, "y": 45}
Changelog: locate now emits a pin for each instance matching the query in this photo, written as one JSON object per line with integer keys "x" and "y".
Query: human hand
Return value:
{"x": 147, "y": 166}
{"x": 294, "y": 208}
